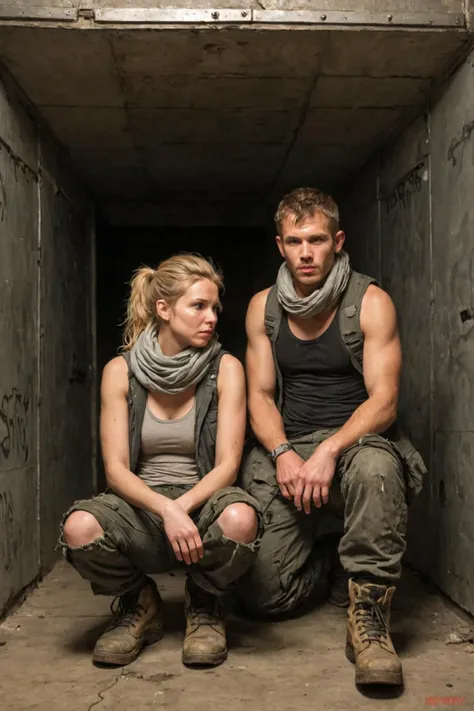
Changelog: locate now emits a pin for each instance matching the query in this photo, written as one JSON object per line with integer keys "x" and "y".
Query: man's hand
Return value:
{"x": 288, "y": 466}
{"x": 315, "y": 478}
{"x": 182, "y": 533}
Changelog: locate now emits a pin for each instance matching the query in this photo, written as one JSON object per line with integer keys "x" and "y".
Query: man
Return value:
{"x": 323, "y": 365}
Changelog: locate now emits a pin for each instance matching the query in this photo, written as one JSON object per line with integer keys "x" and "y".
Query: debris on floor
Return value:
{"x": 461, "y": 636}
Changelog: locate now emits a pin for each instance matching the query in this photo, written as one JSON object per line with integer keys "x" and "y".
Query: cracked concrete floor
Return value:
{"x": 293, "y": 664}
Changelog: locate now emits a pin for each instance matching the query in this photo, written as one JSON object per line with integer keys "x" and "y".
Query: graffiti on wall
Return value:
{"x": 6, "y": 531}
{"x": 407, "y": 186}
{"x": 14, "y": 426}
{"x": 456, "y": 145}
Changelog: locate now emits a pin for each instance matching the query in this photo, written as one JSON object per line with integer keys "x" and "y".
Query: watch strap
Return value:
{"x": 281, "y": 449}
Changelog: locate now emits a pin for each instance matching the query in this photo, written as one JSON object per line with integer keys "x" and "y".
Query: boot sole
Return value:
{"x": 373, "y": 677}
{"x": 199, "y": 660}
{"x": 124, "y": 659}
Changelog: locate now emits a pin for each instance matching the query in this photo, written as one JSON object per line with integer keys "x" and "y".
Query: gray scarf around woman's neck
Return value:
{"x": 169, "y": 374}
{"x": 320, "y": 299}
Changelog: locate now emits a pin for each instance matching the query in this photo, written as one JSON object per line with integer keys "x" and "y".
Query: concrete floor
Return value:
{"x": 293, "y": 664}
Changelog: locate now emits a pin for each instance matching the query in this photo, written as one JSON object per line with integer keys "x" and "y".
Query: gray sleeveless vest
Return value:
{"x": 206, "y": 416}
{"x": 353, "y": 339}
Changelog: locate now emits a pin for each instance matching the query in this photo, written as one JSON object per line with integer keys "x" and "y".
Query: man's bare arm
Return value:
{"x": 382, "y": 366}
{"x": 265, "y": 418}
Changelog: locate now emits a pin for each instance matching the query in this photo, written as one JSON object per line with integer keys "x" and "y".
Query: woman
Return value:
{"x": 172, "y": 430}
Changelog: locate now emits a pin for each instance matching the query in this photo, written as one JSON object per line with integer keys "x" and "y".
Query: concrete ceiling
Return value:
{"x": 195, "y": 125}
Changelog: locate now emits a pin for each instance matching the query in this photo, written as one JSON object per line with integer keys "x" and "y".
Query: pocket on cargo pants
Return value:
{"x": 258, "y": 476}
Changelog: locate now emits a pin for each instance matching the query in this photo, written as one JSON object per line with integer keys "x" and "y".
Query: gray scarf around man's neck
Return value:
{"x": 320, "y": 299}
{"x": 169, "y": 374}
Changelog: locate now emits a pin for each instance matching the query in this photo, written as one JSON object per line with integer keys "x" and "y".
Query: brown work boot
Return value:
{"x": 205, "y": 640}
{"x": 137, "y": 621}
{"x": 369, "y": 645}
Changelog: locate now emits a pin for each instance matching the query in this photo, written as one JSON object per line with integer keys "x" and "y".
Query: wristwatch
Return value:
{"x": 275, "y": 453}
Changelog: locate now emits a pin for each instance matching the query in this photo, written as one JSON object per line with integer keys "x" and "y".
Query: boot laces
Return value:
{"x": 126, "y": 610}
{"x": 371, "y": 620}
{"x": 204, "y": 609}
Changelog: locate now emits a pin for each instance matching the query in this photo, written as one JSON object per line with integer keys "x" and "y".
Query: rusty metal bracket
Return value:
{"x": 174, "y": 16}
{"x": 28, "y": 13}
{"x": 170, "y": 16}
{"x": 323, "y": 17}
{"x": 224, "y": 16}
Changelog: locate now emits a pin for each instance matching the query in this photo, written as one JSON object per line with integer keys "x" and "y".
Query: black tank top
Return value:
{"x": 321, "y": 387}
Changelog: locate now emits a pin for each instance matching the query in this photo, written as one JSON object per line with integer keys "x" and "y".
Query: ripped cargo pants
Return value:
{"x": 368, "y": 495}
{"x": 134, "y": 543}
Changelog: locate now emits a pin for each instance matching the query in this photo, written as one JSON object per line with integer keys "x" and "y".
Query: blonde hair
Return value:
{"x": 168, "y": 281}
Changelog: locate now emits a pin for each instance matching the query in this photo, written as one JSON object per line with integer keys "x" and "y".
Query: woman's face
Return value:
{"x": 193, "y": 317}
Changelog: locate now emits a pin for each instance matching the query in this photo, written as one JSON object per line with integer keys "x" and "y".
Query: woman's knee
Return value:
{"x": 239, "y": 522}
{"x": 81, "y": 528}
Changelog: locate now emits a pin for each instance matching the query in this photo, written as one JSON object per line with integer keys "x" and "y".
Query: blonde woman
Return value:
{"x": 172, "y": 422}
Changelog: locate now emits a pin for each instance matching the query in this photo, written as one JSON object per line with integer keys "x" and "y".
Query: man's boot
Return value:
{"x": 137, "y": 621}
{"x": 205, "y": 641}
{"x": 368, "y": 640}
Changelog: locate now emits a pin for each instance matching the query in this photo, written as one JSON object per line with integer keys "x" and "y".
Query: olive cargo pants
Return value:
{"x": 135, "y": 543}
{"x": 368, "y": 493}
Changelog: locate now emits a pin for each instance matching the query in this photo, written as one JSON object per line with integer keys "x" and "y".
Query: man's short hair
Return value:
{"x": 303, "y": 203}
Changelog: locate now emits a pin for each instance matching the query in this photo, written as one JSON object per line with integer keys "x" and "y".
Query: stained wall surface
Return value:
{"x": 410, "y": 223}
{"x": 46, "y": 358}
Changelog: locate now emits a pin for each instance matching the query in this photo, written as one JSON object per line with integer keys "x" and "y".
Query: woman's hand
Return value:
{"x": 182, "y": 533}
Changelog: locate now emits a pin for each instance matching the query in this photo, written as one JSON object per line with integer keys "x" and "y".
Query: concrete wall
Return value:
{"x": 410, "y": 222}
{"x": 46, "y": 372}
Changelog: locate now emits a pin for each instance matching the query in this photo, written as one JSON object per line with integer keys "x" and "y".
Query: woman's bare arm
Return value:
{"x": 231, "y": 419}
{"x": 114, "y": 440}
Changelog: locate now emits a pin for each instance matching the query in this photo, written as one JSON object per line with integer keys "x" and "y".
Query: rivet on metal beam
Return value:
{"x": 215, "y": 15}
{"x": 244, "y": 13}
{"x": 389, "y": 18}
{"x": 324, "y": 18}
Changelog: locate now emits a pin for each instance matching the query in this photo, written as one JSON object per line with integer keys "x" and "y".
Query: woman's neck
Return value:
{"x": 168, "y": 343}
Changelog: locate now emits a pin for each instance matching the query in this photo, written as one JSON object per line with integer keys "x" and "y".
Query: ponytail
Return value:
{"x": 140, "y": 313}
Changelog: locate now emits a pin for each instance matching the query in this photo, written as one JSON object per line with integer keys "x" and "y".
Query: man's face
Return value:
{"x": 309, "y": 249}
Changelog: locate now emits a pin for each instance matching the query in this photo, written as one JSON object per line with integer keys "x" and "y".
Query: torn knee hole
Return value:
{"x": 81, "y": 529}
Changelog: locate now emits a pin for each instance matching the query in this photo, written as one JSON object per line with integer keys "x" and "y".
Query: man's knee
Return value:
{"x": 375, "y": 468}
{"x": 280, "y": 580}
{"x": 261, "y": 593}
{"x": 239, "y": 522}
{"x": 80, "y": 529}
